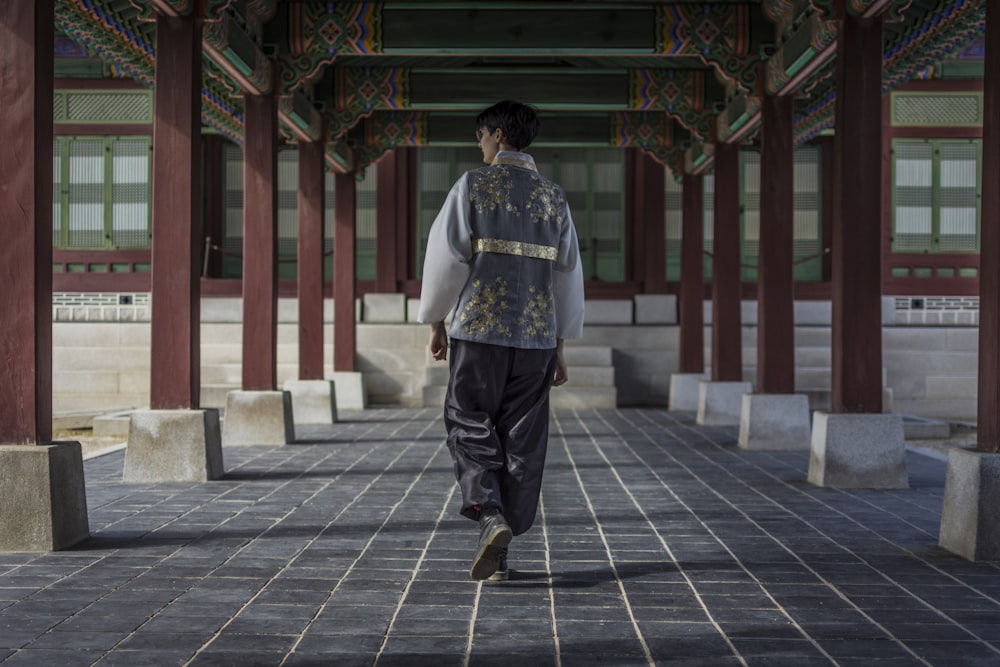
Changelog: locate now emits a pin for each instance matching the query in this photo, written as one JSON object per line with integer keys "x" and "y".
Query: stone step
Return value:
{"x": 587, "y": 355}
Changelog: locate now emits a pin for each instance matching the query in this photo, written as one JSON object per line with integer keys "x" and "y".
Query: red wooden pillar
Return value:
{"x": 387, "y": 222}
{"x": 727, "y": 321}
{"x": 406, "y": 207}
{"x": 344, "y": 273}
{"x": 26, "y": 35}
{"x": 175, "y": 368}
{"x": 653, "y": 235}
{"x": 826, "y": 173}
{"x": 775, "y": 289}
{"x": 692, "y": 289}
{"x": 260, "y": 243}
{"x": 988, "y": 432}
{"x": 857, "y": 230}
{"x": 214, "y": 210}
{"x": 311, "y": 205}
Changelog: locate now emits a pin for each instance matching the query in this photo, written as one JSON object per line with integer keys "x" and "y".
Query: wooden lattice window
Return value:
{"x": 935, "y": 195}
{"x": 101, "y": 192}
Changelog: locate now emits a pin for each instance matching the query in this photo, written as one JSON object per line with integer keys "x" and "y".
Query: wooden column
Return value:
{"x": 857, "y": 224}
{"x": 260, "y": 243}
{"x": 727, "y": 320}
{"x": 344, "y": 279}
{"x": 988, "y": 432}
{"x": 775, "y": 289}
{"x": 406, "y": 207}
{"x": 311, "y": 205}
{"x": 826, "y": 173}
{"x": 215, "y": 207}
{"x": 175, "y": 359}
{"x": 26, "y": 71}
{"x": 692, "y": 289}
{"x": 386, "y": 222}
{"x": 653, "y": 235}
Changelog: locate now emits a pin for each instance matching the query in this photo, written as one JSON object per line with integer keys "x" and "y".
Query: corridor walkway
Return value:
{"x": 658, "y": 542}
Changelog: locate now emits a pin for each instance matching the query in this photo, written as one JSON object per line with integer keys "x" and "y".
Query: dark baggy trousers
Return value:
{"x": 497, "y": 415}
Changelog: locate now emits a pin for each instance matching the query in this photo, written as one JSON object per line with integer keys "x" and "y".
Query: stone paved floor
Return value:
{"x": 657, "y": 542}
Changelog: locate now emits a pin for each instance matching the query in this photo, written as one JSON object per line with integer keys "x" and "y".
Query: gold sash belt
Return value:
{"x": 520, "y": 248}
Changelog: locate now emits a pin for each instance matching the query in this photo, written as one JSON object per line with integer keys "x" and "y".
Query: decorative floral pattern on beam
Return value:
{"x": 387, "y": 130}
{"x": 718, "y": 34}
{"x": 217, "y": 36}
{"x": 103, "y": 33}
{"x": 822, "y": 34}
{"x": 650, "y": 131}
{"x": 358, "y": 91}
{"x": 327, "y": 28}
{"x": 942, "y": 31}
{"x": 781, "y": 13}
{"x": 680, "y": 93}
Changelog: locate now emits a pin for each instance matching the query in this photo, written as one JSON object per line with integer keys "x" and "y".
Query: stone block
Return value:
{"x": 970, "y": 513}
{"x": 858, "y": 451}
{"x": 173, "y": 446}
{"x": 412, "y": 309}
{"x": 43, "y": 500}
{"x": 775, "y": 422}
{"x": 685, "y": 389}
{"x": 385, "y": 308}
{"x": 813, "y": 313}
{"x": 313, "y": 401}
{"x": 112, "y": 425}
{"x": 721, "y": 403}
{"x": 608, "y": 311}
{"x": 350, "y": 390}
{"x": 258, "y": 418}
{"x": 655, "y": 308}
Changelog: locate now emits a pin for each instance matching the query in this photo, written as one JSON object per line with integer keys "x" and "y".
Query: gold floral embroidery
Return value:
{"x": 537, "y": 316}
{"x": 545, "y": 201}
{"x": 490, "y": 190}
{"x": 483, "y": 312}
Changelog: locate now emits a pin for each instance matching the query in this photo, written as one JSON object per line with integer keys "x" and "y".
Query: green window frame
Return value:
{"x": 936, "y": 195}
{"x": 102, "y": 192}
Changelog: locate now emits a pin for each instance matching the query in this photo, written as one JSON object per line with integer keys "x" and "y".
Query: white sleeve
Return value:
{"x": 567, "y": 284}
{"x": 446, "y": 263}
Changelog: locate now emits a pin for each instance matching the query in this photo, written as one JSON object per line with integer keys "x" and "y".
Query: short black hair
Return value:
{"x": 518, "y": 121}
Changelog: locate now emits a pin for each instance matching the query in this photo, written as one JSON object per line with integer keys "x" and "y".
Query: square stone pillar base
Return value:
{"x": 43, "y": 500}
{"x": 173, "y": 446}
{"x": 313, "y": 401}
{"x": 970, "y": 514}
{"x": 775, "y": 422}
{"x": 858, "y": 451}
{"x": 258, "y": 418}
{"x": 684, "y": 388}
{"x": 721, "y": 403}
{"x": 350, "y": 390}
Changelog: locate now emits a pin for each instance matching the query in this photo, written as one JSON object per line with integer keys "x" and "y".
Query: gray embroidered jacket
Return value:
{"x": 503, "y": 253}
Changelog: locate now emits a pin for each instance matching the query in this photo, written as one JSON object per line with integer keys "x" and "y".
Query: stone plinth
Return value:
{"x": 313, "y": 401}
{"x": 685, "y": 389}
{"x": 970, "y": 514}
{"x": 384, "y": 307}
{"x": 258, "y": 418}
{"x": 858, "y": 451}
{"x": 655, "y": 308}
{"x": 350, "y": 390}
{"x": 721, "y": 403}
{"x": 775, "y": 422}
{"x": 173, "y": 446}
{"x": 43, "y": 500}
